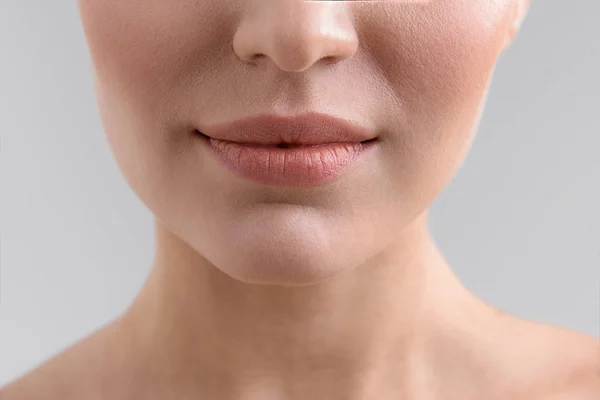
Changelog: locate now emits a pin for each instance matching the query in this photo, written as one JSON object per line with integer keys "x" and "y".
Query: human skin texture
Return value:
{"x": 334, "y": 291}
{"x": 416, "y": 73}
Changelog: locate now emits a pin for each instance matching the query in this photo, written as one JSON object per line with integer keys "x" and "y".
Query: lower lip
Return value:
{"x": 291, "y": 166}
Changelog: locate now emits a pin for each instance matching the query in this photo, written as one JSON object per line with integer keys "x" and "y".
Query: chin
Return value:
{"x": 274, "y": 244}
{"x": 278, "y": 271}
{"x": 264, "y": 260}
{"x": 285, "y": 249}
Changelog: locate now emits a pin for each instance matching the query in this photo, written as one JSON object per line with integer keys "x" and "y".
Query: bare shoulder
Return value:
{"x": 582, "y": 374}
{"x": 565, "y": 364}
{"x": 47, "y": 378}
{"x": 583, "y": 386}
{"x": 79, "y": 368}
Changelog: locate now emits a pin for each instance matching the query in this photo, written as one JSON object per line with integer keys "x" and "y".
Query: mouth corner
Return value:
{"x": 199, "y": 133}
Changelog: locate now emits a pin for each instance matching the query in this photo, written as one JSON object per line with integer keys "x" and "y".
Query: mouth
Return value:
{"x": 304, "y": 150}
{"x": 281, "y": 145}
{"x": 279, "y": 162}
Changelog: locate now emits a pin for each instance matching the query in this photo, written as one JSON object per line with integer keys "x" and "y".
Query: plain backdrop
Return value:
{"x": 520, "y": 222}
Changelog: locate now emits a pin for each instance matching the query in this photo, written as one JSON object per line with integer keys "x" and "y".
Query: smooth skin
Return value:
{"x": 333, "y": 292}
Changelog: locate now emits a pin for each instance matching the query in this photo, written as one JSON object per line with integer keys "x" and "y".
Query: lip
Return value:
{"x": 304, "y": 129}
{"x": 318, "y": 148}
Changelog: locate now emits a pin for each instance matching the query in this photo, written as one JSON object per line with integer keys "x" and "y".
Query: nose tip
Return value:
{"x": 295, "y": 35}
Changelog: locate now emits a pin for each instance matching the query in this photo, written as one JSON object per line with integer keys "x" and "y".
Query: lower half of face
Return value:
{"x": 416, "y": 72}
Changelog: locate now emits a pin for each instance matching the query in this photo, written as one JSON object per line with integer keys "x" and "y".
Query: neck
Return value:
{"x": 365, "y": 329}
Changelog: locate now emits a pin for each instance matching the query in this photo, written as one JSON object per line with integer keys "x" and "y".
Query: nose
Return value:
{"x": 295, "y": 34}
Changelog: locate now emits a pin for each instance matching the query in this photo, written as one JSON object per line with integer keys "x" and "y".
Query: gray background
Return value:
{"x": 520, "y": 223}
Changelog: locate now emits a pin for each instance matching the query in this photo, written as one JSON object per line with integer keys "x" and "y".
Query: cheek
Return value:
{"x": 142, "y": 48}
{"x": 436, "y": 62}
{"x": 437, "y": 57}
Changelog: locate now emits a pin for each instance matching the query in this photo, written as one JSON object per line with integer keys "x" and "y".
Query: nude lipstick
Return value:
{"x": 307, "y": 150}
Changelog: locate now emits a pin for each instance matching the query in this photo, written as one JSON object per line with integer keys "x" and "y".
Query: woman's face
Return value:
{"x": 414, "y": 71}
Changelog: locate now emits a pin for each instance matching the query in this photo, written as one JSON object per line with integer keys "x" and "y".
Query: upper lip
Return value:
{"x": 305, "y": 129}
